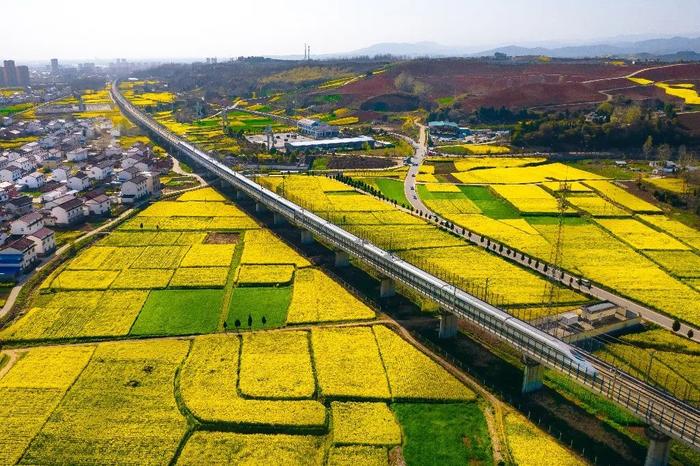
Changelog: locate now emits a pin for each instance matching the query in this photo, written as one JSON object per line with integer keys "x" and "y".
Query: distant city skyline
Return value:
{"x": 139, "y": 30}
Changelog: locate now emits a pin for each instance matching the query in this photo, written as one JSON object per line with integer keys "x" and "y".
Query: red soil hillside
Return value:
{"x": 478, "y": 83}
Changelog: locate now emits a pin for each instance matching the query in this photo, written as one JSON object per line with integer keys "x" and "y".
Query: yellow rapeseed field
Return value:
{"x": 199, "y": 277}
{"x": 675, "y": 228}
{"x": 79, "y": 314}
{"x": 528, "y": 198}
{"x": 209, "y": 384}
{"x": 318, "y": 298}
{"x": 204, "y": 194}
{"x": 452, "y": 206}
{"x": 413, "y": 375}
{"x": 357, "y": 455}
{"x": 83, "y": 280}
{"x": 276, "y": 365}
{"x": 265, "y": 274}
{"x": 679, "y": 263}
{"x": 50, "y": 367}
{"x": 522, "y": 175}
{"x": 596, "y": 206}
{"x": 262, "y": 247}
{"x": 348, "y": 363}
{"x": 31, "y": 390}
{"x": 191, "y": 209}
{"x": 160, "y": 257}
{"x": 589, "y": 250}
{"x": 144, "y": 279}
{"x": 640, "y": 236}
{"x": 208, "y": 255}
{"x": 622, "y": 197}
{"x": 469, "y": 163}
{"x": 364, "y": 423}
{"x": 674, "y": 185}
{"x": 122, "y": 405}
{"x": 209, "y": 448}
{"x": 689, "y": 95}
{"x": 532, "y": 447}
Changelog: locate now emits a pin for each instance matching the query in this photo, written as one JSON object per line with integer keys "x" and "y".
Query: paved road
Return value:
{"x": 532, "y": 263}
{"x": 409, "y": 186}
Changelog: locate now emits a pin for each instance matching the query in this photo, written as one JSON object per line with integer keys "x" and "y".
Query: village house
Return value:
{"x": 69, "y": 212}
{"x": 128, "y": 173}
{"x": 61, "y": 173}
{"x": 101, "y": 170}
{"x": 97, "y": 205}
{"x": 25, "y": 164}
{"x": 134, "y": 189}
{"x": 79, "y": 182}
{"x": 19, "y": 205}
{"x": 34, "y": 180}
{"x": 17, "y": 257}
{"x": 44, "y": 240}
{"x": 77, "y": 155}
{"x": 27, "y": 224}
{"x": 11, "y": 173}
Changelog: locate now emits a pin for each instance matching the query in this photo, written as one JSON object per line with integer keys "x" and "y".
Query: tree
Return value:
{"x": 250, "y": 320}
{"x": 676, "y": 325}
{"x": 682, "y": 155}
{"x": 264, "y": 320}
{"x": 237, "y": 323}
{"x": 648, "y": 147}
{"x": 664, "y": 152}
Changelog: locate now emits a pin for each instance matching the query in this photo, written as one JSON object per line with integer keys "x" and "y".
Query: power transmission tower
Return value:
{"x": 552, "y": 290}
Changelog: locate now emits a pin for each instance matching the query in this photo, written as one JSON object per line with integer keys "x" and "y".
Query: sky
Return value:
{"x": 150, "y": 29}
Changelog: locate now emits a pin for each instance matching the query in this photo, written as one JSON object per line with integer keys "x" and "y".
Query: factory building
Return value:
{"x": 317, "y": 129}
{"x": 324, "y": 145}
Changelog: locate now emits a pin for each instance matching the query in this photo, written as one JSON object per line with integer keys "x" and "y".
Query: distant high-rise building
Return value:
{"x": 10, "y": 73}
{"x": 54, "y": 66}
{"x": 2, "y": 76}
{"x": 23, "y": 75}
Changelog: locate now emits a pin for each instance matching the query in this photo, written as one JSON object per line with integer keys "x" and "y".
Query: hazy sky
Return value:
{"x": 89, "y": 29}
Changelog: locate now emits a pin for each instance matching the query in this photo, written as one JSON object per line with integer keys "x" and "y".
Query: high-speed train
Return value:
{"x": 532, "y": 342}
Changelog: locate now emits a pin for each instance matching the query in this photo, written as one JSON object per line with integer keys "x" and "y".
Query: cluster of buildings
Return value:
{"x": 322, "y": 137}
{"x": 450, "y": 131}
{"x": 32, "y": 95}
{"x": 13, "y": 76}
{"x": 63, "y": 179}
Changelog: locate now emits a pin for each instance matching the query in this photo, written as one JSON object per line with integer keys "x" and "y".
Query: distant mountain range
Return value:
{"x": 675, "y": 48}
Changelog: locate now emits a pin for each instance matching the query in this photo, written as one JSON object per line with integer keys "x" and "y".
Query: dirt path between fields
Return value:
{"x": 13, "y": 356}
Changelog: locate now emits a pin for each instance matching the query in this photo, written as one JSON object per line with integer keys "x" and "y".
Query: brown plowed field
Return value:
{"x": 479, "y": 83}
{"x": 687, "y": 71}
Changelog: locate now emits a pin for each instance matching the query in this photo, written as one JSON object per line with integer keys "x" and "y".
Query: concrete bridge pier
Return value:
{"x": 277, "y": 219}
{"x": 659, "y": 448}
{"x": 260, "y": 207}
{"x": 532, "y": 376}
{"x": 240, "y": 195}
{"x": 306, "y": 237}
{"x": 387, "y": 288}
{"x": 342, "y": 259}
{"x": 448, "y": 325}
